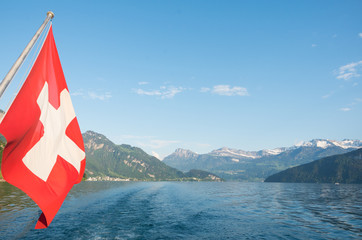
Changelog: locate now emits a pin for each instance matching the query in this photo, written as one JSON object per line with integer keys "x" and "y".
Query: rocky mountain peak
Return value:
{"x": 94, "y": 141}
{"x": 180, "y": 152}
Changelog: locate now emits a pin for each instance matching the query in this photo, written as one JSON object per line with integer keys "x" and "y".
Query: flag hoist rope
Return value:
{"x": 7, "y": 79}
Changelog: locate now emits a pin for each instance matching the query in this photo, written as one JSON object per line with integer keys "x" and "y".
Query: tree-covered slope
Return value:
{"x": 343, "y": 168}
{"x": 104, "y": 158}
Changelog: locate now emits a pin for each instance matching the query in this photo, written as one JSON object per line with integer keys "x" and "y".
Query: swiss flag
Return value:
{"x": 44, "y": 155}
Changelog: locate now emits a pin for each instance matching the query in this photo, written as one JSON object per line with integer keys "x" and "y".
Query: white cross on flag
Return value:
{"x": 44, "y": 155}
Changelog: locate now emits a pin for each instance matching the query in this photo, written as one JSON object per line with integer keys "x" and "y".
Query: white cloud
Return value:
{"x": 148, "y": 93}
{"x": 170, "y": 92}
{"x": 314, "y": 45}
{"x": 163, "y": 92}
{"x": 78, "y": 93}
{"x": 226, "y": 90}
{"x": 156, "y": 155}
{"x": 328, "y": 95}
{"x": 166, "y": 92}
{"x": 349, "y": 71}
{"x": 142, "y": 83}
{"x": 99, "y": 96}
{"x": 205, "y": 89}
{"x": 360, "y": 35}
{"x": 345, "y": 109}
{"x": 356, "y": 101}
{"x": 94, "y": 95}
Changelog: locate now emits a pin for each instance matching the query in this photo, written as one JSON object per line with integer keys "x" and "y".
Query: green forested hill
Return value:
{"x": 343, "y": 168}
{"x": 106, "y": 159}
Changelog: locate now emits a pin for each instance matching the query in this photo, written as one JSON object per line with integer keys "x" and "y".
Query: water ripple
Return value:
{"x": 173, "y": 210}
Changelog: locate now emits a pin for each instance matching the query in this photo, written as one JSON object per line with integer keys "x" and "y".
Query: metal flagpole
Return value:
{"x": 7, "y": 79}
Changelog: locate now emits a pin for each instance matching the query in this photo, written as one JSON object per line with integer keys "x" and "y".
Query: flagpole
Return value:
{"x": 7, "y": 79}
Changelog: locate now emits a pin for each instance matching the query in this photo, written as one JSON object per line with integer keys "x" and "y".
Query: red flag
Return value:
{"x": 44, "y": 155}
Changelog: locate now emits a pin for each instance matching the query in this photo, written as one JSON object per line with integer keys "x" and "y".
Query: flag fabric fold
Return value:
{"x": 44, "y": 155}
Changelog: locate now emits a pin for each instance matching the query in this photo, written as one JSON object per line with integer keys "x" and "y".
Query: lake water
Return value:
{"x": 190, "y": 210}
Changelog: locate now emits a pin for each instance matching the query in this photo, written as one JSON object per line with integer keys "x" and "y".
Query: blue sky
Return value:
{"x": 201, "y": 75}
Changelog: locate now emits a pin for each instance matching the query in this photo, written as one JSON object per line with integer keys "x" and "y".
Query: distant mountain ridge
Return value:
{"x": 318, "y": 143}
{"x": 240, "y": 165}
{"x": 343, "y": 168}
{"x": 106, "y": 160}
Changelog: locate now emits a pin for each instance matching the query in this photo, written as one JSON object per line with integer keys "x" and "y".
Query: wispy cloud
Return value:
{"x": 314, "y": 45}
{"x": 345, "y": 109}
{"x": 350, "y": 106}
{"x": 163, "y": 91}
{"x": 205, "y": 89}
{"x": 156, "y": 155}
{"x": 360, "y": 35}
{"x": 328, "y": 95}
{"x": 79, "y": 92}
{"x": 99, "y": 96}
{"x": 148, "y": 93}
{"x": 349, "y": 71}
{"x": 356, "y": 101}
{"x": 142, "y": 83}
{"x": 226, "y": 90}
{"x": 93, "y": 94}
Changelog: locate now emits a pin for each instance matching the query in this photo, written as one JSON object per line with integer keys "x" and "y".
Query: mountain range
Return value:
{"x": 239, "y": 165}
{"x": 108, "y": 161}
{"x": 343, "y": 168}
